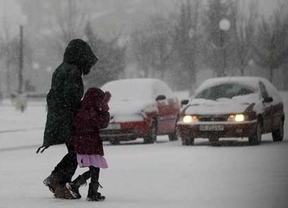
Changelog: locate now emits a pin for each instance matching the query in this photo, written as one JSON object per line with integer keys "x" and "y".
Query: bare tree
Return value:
{"x": 161, "y": 39}
{"x": 271, "y": 48}
{"x": 245, "y": 28}
{"x": 141, "y": 46}
{"x": 219, "y": 47}
{"x": 111, "y": 61}
{"x": 152, "y": 46}
{"x": 69, "y": 19}
{"x": 186, "y": 39}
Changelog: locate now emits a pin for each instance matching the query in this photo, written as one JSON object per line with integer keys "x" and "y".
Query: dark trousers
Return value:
{"x": 66, "y": 168}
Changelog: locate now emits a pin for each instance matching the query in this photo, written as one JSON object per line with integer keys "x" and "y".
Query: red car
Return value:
{"x": 233, "y": 107}
{"x": 141, "y": 108}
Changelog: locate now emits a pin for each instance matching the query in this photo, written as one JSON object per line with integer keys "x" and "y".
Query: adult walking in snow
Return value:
{"x": 64, "y": 102}
{"x": 88, "y": 144}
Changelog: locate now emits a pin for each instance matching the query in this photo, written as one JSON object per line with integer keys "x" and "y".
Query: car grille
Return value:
{"x": 212, "y": 118}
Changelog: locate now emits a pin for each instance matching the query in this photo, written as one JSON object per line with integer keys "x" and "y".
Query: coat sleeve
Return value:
{"x": 73, "y": 90}
{"x": 101, "y": 119}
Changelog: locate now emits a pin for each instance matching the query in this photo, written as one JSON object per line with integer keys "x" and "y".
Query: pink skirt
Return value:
{"x": 91, "y": 160}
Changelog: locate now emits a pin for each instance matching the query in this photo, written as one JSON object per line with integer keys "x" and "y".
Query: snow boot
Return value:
{"x": 61, "y": 192}
{"x": 93, "y": 194}
{"x": 74, "y": 186}
{"x": 52, "y": 181}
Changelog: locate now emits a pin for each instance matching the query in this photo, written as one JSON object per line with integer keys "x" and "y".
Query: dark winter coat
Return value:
{"x": 64, "y": 97}
{"x": 90, "y": 119}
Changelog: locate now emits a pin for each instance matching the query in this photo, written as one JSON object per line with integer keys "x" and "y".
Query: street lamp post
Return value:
{"x": 224, "y": 25}
{"x": 192, "y": 48}
{"x": 20, "y": 88}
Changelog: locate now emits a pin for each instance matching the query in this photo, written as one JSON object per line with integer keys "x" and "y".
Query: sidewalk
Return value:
{"x": 19, "y": 130}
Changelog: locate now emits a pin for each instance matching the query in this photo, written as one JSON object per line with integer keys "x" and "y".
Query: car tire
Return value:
{"x": 174, "y": 136}
{"x": 256, "y": 138}
{"x": 152, "y": 135}
{"x": 278, "y": 134}
{"x": 213, "y": 139}
{"x": 114, "y": 141}
{"x": 188, "y": 141}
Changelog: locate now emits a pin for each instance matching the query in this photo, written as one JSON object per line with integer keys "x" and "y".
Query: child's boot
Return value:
{"x": 93, "y": 194}
{"x": 74, "y": 186}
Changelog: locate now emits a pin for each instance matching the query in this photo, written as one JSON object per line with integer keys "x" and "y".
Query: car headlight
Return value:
{"x": 237, "y": 117}
{"x": 189, "y": 119}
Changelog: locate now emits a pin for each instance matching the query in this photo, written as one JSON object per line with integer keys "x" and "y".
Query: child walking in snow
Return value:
{"x": 87, "y": 142}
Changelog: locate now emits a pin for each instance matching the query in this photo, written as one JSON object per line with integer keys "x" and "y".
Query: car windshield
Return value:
{"x": 227, "y": 90}
{"x": 124, "y": 91}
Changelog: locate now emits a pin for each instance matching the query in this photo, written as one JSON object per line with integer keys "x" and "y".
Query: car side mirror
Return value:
{"x": 160, "y": 97}
{"x": 184, "y": 102}
{"x": 267, "y": 100}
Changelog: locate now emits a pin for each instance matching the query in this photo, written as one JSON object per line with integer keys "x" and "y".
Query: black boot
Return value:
{"x": 93, "y": 194}
{"x": 74, "y": 186}
{"x": 52, "y": 182}
{"x": 62, "y": 192}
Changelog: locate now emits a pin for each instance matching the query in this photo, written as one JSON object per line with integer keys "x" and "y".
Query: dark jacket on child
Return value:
{"x": 90, "y": 119}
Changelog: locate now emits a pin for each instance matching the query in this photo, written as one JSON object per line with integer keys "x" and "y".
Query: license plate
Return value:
{"x": 113, "y": 126}
{"x": 211, "y": 127}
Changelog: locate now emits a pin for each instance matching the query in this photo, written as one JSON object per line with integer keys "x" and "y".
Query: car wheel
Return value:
{"x": 188, "y": 141}
{"x": 278, "y": 134}
{"x": 114, "y": 141}
{"x": 256, "y": 138}
{"x": 174, "y": 136}
{"x": 213, "y": 139}
{"x": 152, "y": 135}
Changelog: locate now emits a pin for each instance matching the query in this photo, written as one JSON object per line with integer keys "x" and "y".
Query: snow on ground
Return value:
{"x": 165, "y": 174}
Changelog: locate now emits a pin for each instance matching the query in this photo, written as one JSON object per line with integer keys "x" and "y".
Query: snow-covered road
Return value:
{"x": 165, "y": 174}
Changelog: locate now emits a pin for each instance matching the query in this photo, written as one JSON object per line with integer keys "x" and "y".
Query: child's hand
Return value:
{"x": 106, "y": 98}
{"x": 105, "y": 108}
{"x": 105, "y": 101}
